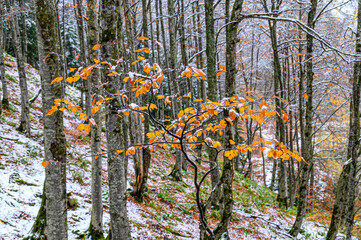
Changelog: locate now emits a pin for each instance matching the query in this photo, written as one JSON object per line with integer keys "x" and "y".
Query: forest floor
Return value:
{"x": 169, "y": 210}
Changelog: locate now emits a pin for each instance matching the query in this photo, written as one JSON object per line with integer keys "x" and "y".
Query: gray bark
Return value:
{"x": 24, "y": 34}
{"x": 308, "y": 146}
{"x": 5, "y": 95}
{"x": 25, "y": 108}
{"x": 117, "y": 166}
{"x": 345, "y": 192}
{"x": 54, "y": 137}
{"x": 96, "y": 224}
{"x": 177, "y": 170}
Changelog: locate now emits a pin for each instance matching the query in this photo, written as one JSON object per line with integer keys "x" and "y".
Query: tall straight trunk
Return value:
{"x": 278, "y": 91}
{"x": 96, "y": 222}
{"x": 177, "y": 170}
{"x": 54, "y": 137}
{"x": 5, "y": 95}
{"x": 85, "y": 88}
{"x": 25, "y": 108}
{"x": 202, "y": 82}
{"x": 230, "y": 91}
{"x": 24, "y": 34}
{"x": 157, "y": 25}
{"x": 116, "y": 139}
{"x": 142, "y": 167}
{"x": 165, "y": 47}
{"x": 308, "y": 145}
{"x": 212, "y": 87}
{"x": 189, "y": 85}
{"x": 280, "y": 132}
{"x": 293, "y": 179}
{"x": 345, "y": 192}
{"x": 134, "y": 120}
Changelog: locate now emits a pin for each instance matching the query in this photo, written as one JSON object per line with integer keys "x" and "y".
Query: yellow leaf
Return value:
{"x": 73, "y": 69}
{"x": 96, "y": 47}
{"x": 81, "y": 127}
{"x": 270, "y": 113}
{"x": 152, "y": 106}
{"x": 96, "y": 61}
{"x": 120, "y": 151}
{"x": 166, "y": 101}
{"x": 216, "y": 144}
{"x": 95, "y": 109}
{"x": 70, "y": 80}
{"x": 160, "y": 96}
{"x": 232, "y": 142}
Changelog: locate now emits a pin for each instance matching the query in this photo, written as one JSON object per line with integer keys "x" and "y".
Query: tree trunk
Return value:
{"x": 96, "y": 223}
{"x": 5, "y": 95}
{"x": 308, "y": 146}
{"x": 116, "y": 139}
{"x": 228, "y": 168}
{"x": 25, "y": 108}
{"x": 177, "y": 170}
{"x": 212, "y": 87}
{"x": 345, "y": 192}
{"x": 144, "y": 161}
{"x": 24, "y": 34}
{"x": 54, "y": 137}
{"x": 278, "y": 91}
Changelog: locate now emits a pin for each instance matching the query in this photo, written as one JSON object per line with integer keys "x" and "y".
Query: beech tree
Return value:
{"x": 208, "y": 82}
{"x": 20, "y": 60}
{"x": 55, "y": 197}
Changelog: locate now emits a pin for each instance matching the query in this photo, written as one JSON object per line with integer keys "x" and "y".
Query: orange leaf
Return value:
{"x": 306, "y": 96}
{"x": 263, "y": 103}
{"x": 284, "y": 117}
{"x": 160, "y": 79}
{"x": 45, "y": 163}
{"x": 96, "y": 47}
{"x": 249, "y": 98}
{"x": 143, "y": 38}
{"x": 58, "y": 79}
{"x": 147, "y": 69}
{"x": 95, "y": 109}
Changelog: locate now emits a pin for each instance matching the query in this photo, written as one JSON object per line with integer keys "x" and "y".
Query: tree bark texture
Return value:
{"x": 25, "y": 108}
{"x": 54, "y": 137}
{"x": 96, "y": 224}
{"x": 116, "y": 140}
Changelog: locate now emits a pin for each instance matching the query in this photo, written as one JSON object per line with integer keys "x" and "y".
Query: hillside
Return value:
{"x": 169, "y": 210}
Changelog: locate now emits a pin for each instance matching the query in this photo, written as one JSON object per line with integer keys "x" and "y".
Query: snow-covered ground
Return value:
{"x": 169, "y": 211}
